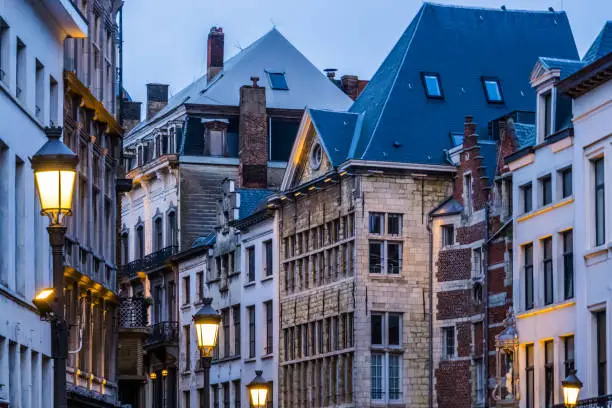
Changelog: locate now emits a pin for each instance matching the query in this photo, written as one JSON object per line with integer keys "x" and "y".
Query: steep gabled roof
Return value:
{"x": 336, "y": 131}
{"x": 602, "y": 45}
{"x": 566, "y": 67}
{"x": 462, "y": 45}
{"x": 272, "y": 53}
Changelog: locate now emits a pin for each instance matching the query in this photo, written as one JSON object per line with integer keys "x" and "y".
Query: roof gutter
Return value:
{"x": 430, "y": 168}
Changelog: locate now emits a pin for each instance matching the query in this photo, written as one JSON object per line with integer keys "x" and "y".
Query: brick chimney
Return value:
{"x": 157, "y": 98}
{"x": 214, "y": 61}
{"x": 130, "y": 115}
{"x": 352, "y": 85}
{"x": 253, "y": 128}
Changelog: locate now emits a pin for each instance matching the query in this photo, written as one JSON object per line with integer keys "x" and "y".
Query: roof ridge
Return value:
{"x": 460, "y": 6}
{"x": 561, "y": 59}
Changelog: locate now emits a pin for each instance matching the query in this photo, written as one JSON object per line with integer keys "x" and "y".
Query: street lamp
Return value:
{"x": 206, "y": 322}
{"x": 571, "y": 388}
{"x": 258, "y": 390}
{"x": 54, "y": 166}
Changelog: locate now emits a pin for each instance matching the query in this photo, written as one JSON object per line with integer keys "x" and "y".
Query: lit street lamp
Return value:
{"x": 54, "y": 166}
{"x": 206, "y": 322}
{"x": 571, "y": 388}
{"x": 258, "y": 390}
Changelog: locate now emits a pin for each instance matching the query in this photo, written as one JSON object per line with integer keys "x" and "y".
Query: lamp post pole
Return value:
{"x": 206, "y": 362}
{"x": 206, "y": 323}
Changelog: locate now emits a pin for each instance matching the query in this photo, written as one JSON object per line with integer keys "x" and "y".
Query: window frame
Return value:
{"x": 268, "y": 252}
{"x": 374, "y": 216}
{"x": 274, "y": 86}
{"x": 484, "y": 81}
{"x": 384, "y": 351}
{"x": 250, "y": 264}
{"x": 564, "y": 187}
{"x": 546, "y": 190}
{"x": 449, "y": 348}
{"x": 599, "y": 187}
{"x": 448, "y": 235}
{"x": 428, "y": 95}
{"x": 524, "y": 197}
{"x": 468, "y": 193}
{"x": 528, "y": 276}
{"x": 568, "y": 263}
{"x": 549, "y": 374}
{"x": 548, "y": 270}
{"x": 529, "y": 376}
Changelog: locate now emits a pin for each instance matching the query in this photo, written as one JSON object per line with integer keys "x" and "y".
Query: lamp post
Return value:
{"x": 206, "y": 322}
{"x": 54, "y": 166}
{"x": 571, "y": 389}
{"x": 258, "y": 390}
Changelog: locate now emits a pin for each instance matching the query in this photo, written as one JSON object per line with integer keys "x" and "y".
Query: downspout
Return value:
{"x": 430, "y": 359}
{"x": 485, "y": 291}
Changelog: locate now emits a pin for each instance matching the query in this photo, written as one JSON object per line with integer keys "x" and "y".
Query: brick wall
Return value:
{"x": 454, "y": 264}
{"x": 453, "y": 386}
{"x": 253, "y": 137}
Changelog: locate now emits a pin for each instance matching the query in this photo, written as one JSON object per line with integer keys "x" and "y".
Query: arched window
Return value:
{"x": 159, "y": 237}
{"x": 140, "y": 242}
{"x": 172, "y": 230}
{"x": 125, "y": 248}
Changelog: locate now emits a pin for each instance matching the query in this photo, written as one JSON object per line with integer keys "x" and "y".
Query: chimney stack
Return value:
{"x": 214, "y": 61}
{"x": 157, "y": 98}
{"x": 130, "y": 115}
{"x": 253, "y": 130}
{"x": 330, "y": 72}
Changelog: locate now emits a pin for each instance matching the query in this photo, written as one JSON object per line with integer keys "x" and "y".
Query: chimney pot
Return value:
{"x": 157, "y": 98}
{"x": 330, "y": 72}
{"x": 255, "y": 79}
{"x": 214, "y": 60}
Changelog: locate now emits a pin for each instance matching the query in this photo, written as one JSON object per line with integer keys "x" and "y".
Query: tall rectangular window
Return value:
{"x": 480, "y": 382}
{"x": 377, "y": 364}
{"x": 549, "y": 374}
{"x": 4, "y": 45}
{"x": 546, "y": 190}
{"x": 225, "y": 316}
{"x": 394, "y": 224}
{"x": 39, "y": 91}
{"x": 251, "y": 313}
{"x": 238, "y": 394}
{"x": 467, "y": 193}
{"x": 159, "y": 234}
{"x": 376, "y": 256}
{"x": 547, "y": 264}
{"x": 448, "y": 342}
{"x": 269, "y": 327}
{"x": 268, "y": 269}
{"x": 237, "y": 334}
{"x": 547, "y": 114}
{"x": 600, "y": 229}
{"x": 377, "y": 221}
{"x": 568, "y": 346}
{"x": 386, "y": 364}
{"x": 186, "y": 399}
{"x": 187, "y": 345}
{"x": 394, "y": 258}
{"x": 251, "y": 263}
{"x": 199, "y": 286}
{"x": 477, "y": 262}
{"x": 528, "y": 269}
{"x": 448, "y": 235}
{"x": 527, "y": 197}
{"x": 186, "y": 290}
{"x": 529, "y": 378}
{"x": 226, "y": 394}
{"x": 566, "y": 182}
{"x": 568, "y": 264}
{"x": 20, "y": 72}
{"x": 601, "y": 360}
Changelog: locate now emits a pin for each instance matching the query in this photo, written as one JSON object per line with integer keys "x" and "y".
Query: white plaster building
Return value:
{"x": 31, "y": 97}
{"x": 236, "y": 267}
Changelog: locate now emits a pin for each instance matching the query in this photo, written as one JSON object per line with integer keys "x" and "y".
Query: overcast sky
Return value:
{"x": 165, "y": 41}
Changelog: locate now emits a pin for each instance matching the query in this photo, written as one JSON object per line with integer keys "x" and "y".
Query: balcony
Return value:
{"x": 149, "y": 262}
{"x": 164, "y": 333}
{"x": 605, "y": 401}
{"x": 133, "y": 313}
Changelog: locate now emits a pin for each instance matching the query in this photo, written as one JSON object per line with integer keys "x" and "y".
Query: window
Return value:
{"x": 568, "y": 346}
{"x": 215, "y": 142}
{"x": 226, "y": 394}
{"x": 448, "y": 235}
{"x": 199, "y": 286}
{"x": 316, "y": 155}
{"x": 125, "y": 249}
{"x": 282, "y": 133}
{"x": 269, "y": 327}
{"x": 39, "y": 91}
{"x": 159, "y": 234}
{"x": 251, "y": 263}
{"x": 529, "y": 380}
{"x": 186, "y": 399}
{"x": 172, "y": 230}
{"x": 187, "y": 340}
{"x": 480, "y": 382}
{"x": 448, "y": 342}
{"x": 238, "y": 394}
{"x": 320, "y": 336}
{"x": 268, "y": 269}
{"x": 140, "y": 243}
{"x": 386, "y": 364}
{"x": 377, "y": 221}
{"x": 528, "y": 268}
{"x": 547, "y": 101}
{"x": 186, "y": 290}
{"x": 568, "y": 264}
{"x": 389, "y": 250}
{"x": 376, "y": 256}
{"x": 477, "y": 262}
{"x": 600, "y": 234}
{"x": 4, "y": 45}
{"x": 215, "y": 393}
{"x": 237, "y": 334}
{"x": 431, "y": 83}
{"x": 566, "y": 182}
{"x": 394, "y": 258}
{"x": 20, "y": 72}
{"x": 548, "y": 270}
{"x": 251, "y": 313}
{"x": 467, "y": 193}
{"x": 492, "y": 90}
{"x": 549, "y": 376}
{"x": 278, "y": 81}
{"x": 394, "y": 224}
{"x": 526, "y": 197}
{"x": 600, "y": 321}
{"x": 546, "y": 187}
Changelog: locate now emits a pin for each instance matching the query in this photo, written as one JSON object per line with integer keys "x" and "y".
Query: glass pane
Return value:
{"x": 215, "y": 138}
{"x": 493, "y": 92}
{"x": 278, "y": 81}
{"x": 567, "y": 183}
{"x": 394, "y": 329}
{"x": 376, "y": 223}
{"x": 394, "y": 224}
{"x": 375, "y": 257}
{"x": 433, "y": 86}
{"x": 377, "y": 378}
{"x": 377, "y": 329}
{"x": 394, "y": 256}
{"x": 394, "y": 377}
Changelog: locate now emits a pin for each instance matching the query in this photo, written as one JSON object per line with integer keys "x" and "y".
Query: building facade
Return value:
{"x": 92, "y": 131}
{"x": 32, "y": 38}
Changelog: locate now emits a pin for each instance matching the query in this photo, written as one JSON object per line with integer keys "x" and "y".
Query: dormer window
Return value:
{"x": 431, "y": 83}
{"x": 492, "y": 90}
{"x": 278, "y": 81}
{"x": 215, "y": 143}
{"x": 547, "y": 119}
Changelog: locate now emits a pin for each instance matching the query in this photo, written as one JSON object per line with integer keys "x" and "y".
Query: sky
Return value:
{"x": 165, "y": 41}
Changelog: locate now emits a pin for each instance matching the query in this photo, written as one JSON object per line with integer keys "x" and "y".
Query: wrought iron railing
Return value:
{"x": 163, "y": 333}
{"x": 149, "y": 262}
{"x": 133, "y": 312}
{"x": 604, "y": 401}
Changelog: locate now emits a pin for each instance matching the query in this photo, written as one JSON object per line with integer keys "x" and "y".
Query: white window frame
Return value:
{"x": 386, "y": 350}
{"x": 384, "y": 269}
{"x": 445, "y": 355}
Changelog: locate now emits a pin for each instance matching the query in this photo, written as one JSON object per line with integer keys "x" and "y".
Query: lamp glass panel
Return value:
{"x": 207, "y": 334}
{"x": 258, "y": 396}
{"x": 55, "y": 189}
{"x": 570, "y": 395}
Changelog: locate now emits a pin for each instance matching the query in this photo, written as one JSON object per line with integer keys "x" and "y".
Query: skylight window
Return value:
{"x": 492, "y": 90}
{"x": 278, "y": 81}
{"x": 431, "y": 82}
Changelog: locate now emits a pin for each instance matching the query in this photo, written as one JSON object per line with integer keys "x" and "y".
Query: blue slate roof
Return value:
{"x": 488, "y": 151}
{"x": 252, "y": 200}
{"x": 566, "y": 67}
{"x": 462, "y": 45}
{"x": 447, "y": 207}
{"x": 336, "y": 130}
{"x": 525, "y": 134}
{"x": 602, "y": 45}
{"x": 207, "y": 240}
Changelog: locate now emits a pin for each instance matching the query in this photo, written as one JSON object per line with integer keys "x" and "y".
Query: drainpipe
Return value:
{"x": 430, "y": 360}
{"x": 485, "y": 291}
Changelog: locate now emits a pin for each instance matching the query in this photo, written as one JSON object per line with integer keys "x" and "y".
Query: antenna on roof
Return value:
{"x": 237, "y": 45}
{"x": 273, "y": 24}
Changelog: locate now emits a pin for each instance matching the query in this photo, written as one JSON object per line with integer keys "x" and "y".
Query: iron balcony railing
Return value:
{"x": 133, "y": 312}
{"x": 163, "y": 333}
{"x": 604, "y": 401}
{"x": 149, "y": 262}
